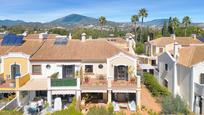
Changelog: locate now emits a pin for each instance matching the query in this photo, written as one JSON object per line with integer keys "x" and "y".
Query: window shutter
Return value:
{"x": 202, "y": 79}
{"x": 115, "y": 72}
{"x": 126, "y": 71}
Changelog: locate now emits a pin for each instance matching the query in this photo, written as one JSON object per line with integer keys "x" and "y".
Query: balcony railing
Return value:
{"x": 63, "y": 82}
{"x": 199, "y": 89}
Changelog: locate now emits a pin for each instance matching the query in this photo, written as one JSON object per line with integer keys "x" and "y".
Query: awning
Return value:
{"x": 63, "y": 92}
{"x": 94, "y": 91}
{"x": 124, "y": 91}
{"x": 8, "y": 91}
{"x": 146, "y": 66}
{"x": 35, "y": 85}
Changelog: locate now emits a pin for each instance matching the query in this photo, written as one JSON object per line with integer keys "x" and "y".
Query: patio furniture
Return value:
{"x": 33, "y": 108}
{"x": 132, "y": 106}
{"x": 116, "y": 106}
{"x": 123, "y": 105}
{"x": 58, "y": 104}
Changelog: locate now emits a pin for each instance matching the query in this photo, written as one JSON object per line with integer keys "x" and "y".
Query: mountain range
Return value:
{"x": 77, "y": 19}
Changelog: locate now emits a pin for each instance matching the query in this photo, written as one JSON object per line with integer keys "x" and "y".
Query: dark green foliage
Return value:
{"x": 171, "y": 105}
{"x": 59, "y": 31}
{"x": 155, "y": 88}
{"x": 76, "y": 33}
{"x": 139, "y": 48}
{"x": 165, "y": 31}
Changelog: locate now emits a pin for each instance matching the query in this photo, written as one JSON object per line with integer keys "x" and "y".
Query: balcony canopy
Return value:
{"x": 35, "y": 85}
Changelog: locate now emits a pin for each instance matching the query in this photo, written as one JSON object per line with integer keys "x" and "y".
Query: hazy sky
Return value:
{"x": 115, "y": 10}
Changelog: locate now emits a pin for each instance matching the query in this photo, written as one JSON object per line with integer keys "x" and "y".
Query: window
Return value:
{"x": 166, "y": 67}
{"x": 48, "y": 66}
{"x": 100, "y": 66}
{"x": 202, "y": 78}
{"x": 165, "y": 83}
{"x": 36, "y": 69}
{"x": 160, "y": 50}
{"x": 89, "y": 68}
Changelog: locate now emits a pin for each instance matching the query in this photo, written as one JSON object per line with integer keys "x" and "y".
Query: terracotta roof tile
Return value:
{"x": 36, "y": 36}
{"x": 184, "y": 41}
{"x": 98, "y": 49}
{"x": 28, "y": 47}
{"x": 189, "y": 56}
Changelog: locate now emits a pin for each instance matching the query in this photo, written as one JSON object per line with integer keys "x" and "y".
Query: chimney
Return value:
{"x": 130, "y": 46}
{"x": 83, "y": 37}
{"x": 148, "y": 38}
{"x": 43, "y": 36}
{"x": 194, "y": 36}
{"x": 70, "y": 36}
{"x": 176, "y": 50}
{"x": 173, "y": 36}
{"x": 25, "y": 33}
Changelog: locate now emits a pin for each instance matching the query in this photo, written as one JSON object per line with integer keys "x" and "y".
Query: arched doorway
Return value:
{"x": 15, "y": 70}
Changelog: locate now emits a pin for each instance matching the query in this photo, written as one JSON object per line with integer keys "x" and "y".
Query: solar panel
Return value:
{"x": 12, "y": 39}
{"x": 19, "y": 40}
{"x": 61, "y": 41}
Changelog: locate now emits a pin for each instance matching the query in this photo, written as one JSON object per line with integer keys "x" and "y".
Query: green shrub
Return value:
{"x": 98, "y": 111}
{"x": 110, "y": 109}
{"x": 71, "y": 110}
{"x": 10, "y": 112}
{"x": 155, "y": 88}
{"x": 171, "y": 105}
{"x": 139, "y": 48}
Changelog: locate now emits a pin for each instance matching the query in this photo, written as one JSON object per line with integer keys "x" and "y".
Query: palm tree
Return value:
{"x": 143, "y": 13}
{"x": 186, "y": 22}
{"x": 102, "y": 21}
{"x": 134, "y": 20}
{"x": 174, "y": 23}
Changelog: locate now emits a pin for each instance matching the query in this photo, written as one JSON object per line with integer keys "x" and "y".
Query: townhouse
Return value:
{"x": 181, "y": 71}
{"x": 154, "y": 48}
{"x": 51, "y": 66}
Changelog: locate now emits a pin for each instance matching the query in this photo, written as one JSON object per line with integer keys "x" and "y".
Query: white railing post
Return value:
{"x": 78, "y": 83}
{"x": 138, "y": 81}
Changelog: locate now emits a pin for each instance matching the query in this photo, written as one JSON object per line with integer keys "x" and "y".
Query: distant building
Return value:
{"x": 154, "y": 48}
{"x": 182, "y": 72}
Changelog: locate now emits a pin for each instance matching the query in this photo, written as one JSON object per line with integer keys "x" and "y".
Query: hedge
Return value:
{"x": 171, "y": 105}
{"x": 154, "y": 87}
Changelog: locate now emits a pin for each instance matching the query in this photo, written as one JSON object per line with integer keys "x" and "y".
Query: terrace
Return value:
{"x": 94, "y": 82}
{"x": 6, "y": 83}
{"x": 124, "y": 84}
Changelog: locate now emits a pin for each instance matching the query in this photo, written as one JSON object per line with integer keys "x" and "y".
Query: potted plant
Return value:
{"x": 86, "y": 79}
{"x": 101, "y": 77}
{"x": 132, "y": 79}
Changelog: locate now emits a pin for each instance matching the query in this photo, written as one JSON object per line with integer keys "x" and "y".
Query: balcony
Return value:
{"x": 94, "y": 82}
{"x": 199, "y": 89}
{"x": 63, "y": 82}
{"x": 123, "y": 84}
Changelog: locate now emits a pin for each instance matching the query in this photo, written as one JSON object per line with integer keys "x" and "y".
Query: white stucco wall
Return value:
{"x": 55, "y": 67}
{"x": 162, "y": 60}
{"x": 96, "y": 69}
{"x": 169, "y": 47}
{"x": 184, "y": 82}
{"x": 120, "y": 59}
{"x": 199, "y": 69}
{"x": 0, "y": 66}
